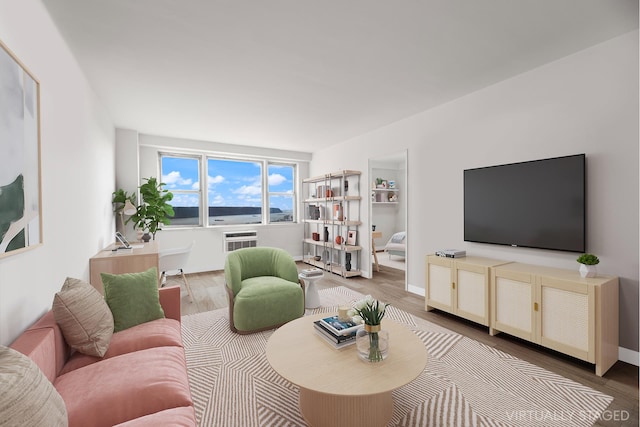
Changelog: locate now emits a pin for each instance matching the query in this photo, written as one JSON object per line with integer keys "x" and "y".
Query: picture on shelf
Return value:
{"x": 351, "y": 237}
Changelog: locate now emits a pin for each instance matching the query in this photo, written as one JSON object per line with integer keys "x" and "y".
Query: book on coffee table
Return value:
{"x": 340, "y": 327}
{"x": 336, "y": 338}
{"x": 337, "y": 342}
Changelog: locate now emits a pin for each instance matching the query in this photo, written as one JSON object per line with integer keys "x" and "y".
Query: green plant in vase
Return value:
{"x": 155, "y": 209}
{"x": 588, "y": 264}
{"x": 372, "y": 341}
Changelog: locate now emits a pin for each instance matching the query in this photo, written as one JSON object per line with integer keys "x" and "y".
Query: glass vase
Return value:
{"x": 372, "y": 343}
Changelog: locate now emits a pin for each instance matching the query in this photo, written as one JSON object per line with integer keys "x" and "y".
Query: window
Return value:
{"x": 238, "y": 191}
{"x": 182, "y": 177}
{"x": 281, "y": 193}
{"x": 234, "y": 190}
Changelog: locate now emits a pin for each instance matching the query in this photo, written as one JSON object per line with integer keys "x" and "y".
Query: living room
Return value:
{"x": 582, "y": 102}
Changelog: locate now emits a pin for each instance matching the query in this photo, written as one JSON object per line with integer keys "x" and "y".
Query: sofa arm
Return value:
{"x": 170, "y": 302}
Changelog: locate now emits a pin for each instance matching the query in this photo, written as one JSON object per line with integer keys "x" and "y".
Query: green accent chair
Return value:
{"x": 263, "y": 289}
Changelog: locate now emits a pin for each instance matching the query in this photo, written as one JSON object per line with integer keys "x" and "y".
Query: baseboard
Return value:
{"x": 629, "y": 356}
{"x": 416, "y": 290}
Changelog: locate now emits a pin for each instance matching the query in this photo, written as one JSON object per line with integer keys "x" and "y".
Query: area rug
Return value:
{"x": 465, "y": 383}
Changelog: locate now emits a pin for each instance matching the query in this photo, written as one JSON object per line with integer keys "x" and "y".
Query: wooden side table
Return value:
{"x": 375, "y": 235}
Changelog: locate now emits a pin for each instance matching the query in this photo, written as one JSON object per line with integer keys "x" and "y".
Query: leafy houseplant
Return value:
{"x": 588, "y": 264}
{"x": 372, "y": 342}
{"x": 155, "y": 208}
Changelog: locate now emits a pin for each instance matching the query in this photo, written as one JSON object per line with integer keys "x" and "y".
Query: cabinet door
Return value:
{"x": 513, "y": 303}
{"x": 439, "y": 285}
{"x": 566, "y": 321}
{"x": 471, "y": 296}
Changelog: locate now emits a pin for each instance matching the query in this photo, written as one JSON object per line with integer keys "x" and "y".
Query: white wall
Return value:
{"x": 207, "y": 254}
{"x": 584, "y": 103}
{"x": 78, "y": 176}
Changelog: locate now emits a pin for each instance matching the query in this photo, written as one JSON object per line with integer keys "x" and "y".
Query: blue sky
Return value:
{"x": 230, "y": 183}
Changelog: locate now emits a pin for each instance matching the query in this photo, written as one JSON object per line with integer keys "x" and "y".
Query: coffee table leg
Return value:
{"x": 320, "y": 409}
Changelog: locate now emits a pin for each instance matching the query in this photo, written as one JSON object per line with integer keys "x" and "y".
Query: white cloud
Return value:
{"x": 276, "y": 179}
{"x": 173, "y": 179}
{"x": 248, "y": 190}
{"x": 213, "y": 180}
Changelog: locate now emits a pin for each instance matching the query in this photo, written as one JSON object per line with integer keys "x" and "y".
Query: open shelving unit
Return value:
{"x": 332, "y": 209}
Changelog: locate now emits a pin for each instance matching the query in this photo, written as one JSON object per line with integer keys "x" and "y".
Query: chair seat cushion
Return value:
{"x": 267, "y": 301}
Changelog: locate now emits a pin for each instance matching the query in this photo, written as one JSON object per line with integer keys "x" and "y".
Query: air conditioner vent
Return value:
{"x": 234, "y": 240}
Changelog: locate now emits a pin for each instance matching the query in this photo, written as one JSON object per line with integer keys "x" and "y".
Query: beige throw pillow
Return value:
{"x": 27, "y": 398}
{"x": 84, "y": 317}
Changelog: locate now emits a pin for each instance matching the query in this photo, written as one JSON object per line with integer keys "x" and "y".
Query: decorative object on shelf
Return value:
{"x": 315, "y": 236}
{"x": 392, "y": 184}
{"x": 346, "y": 187}
{"x": 351, "y": 237}
{"x": 372, "y": 342}
{"x": 155, "y": 208}
{"x": 326, "y": 234}
{"x": 321, "y": 213}
{"x": 339, "y": 240}
{"x": 338, "y": 212}
{"x": 588, "y": 264}
{"x": 373, "y": 227}
{"x": 347, "y": 265}
{"x": 393, "y": 197}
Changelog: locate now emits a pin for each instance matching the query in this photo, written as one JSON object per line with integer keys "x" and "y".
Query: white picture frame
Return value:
{"x": 352, "y": 237}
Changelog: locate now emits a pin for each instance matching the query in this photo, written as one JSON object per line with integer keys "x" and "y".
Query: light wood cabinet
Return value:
{"x": 460, "y": 286}
{"x": 557, "y": 309}
{"x": 332, "y": 209}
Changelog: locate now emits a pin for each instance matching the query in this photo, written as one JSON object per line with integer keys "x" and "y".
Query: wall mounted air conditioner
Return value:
{"x": 233, "y": 240}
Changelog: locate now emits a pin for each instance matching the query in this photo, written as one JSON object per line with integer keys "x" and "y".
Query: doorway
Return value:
{"x": 388, "y": 212}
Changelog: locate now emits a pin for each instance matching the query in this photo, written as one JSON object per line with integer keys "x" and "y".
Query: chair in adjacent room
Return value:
{"x": 174, "y": 260}
{"x": 263, "y": 289}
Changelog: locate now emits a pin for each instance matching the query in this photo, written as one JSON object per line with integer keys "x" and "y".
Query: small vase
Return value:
{"x": 146, "y": 237}
{"x": 588, "y": 270}
{"x": 372, "y": 343}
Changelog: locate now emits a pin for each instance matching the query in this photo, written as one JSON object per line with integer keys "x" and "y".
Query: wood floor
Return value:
{"x": 621, "y": 381}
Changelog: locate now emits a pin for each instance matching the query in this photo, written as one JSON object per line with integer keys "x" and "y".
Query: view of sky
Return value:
{"x": 230, "y": 182}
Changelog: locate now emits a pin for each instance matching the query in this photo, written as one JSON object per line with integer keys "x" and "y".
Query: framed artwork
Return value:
{"x": 351, "y": 237}
{"x": 20, "y": 189}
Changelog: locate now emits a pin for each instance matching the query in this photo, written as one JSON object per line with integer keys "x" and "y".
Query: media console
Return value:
{"x": 552, "y": 307}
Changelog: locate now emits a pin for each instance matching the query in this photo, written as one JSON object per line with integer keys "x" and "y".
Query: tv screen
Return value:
{"x": 536, "y": 204}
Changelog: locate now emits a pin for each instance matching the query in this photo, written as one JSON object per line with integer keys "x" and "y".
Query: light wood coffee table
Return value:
{"x": 336, "y": 387}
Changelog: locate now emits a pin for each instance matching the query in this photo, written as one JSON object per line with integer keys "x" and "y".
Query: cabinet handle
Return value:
{"x": 535, "y": 306}
{"x": 453, "y": 285}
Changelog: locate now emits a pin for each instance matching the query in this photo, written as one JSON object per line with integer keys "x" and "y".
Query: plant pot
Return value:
{"x": 588, "y": 270}
{"x": 146, "y": 237}
{"x": 372, "y": 343}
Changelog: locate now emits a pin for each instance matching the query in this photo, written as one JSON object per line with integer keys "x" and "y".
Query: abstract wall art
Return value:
{"x": 20, "y": 189}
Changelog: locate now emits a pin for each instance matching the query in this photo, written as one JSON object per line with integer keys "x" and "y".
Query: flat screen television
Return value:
{"x": 536, "y": 204}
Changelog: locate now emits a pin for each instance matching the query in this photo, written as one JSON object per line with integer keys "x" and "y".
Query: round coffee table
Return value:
{"x": 336, "y": 387}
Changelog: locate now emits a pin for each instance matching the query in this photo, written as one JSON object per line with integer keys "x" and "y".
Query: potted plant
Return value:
{"x": 588, "y": 264}
{"x": 123, "y": 204}
{"x": 154, "y": 209}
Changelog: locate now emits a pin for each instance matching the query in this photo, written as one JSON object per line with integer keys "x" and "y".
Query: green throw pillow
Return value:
{"x": 132, "y": 297}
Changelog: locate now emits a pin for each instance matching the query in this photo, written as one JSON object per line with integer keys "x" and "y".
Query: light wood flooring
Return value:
{"x": 621, "y": 381}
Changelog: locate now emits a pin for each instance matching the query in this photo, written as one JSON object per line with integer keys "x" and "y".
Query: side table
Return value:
{"x": 312, "y": 297}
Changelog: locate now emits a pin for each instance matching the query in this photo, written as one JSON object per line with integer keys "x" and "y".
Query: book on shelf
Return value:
{"x": 339, "y": 327}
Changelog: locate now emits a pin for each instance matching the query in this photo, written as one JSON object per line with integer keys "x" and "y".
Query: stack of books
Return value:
{"x": 311, "y": 272}
{"x": 338, "y": 333}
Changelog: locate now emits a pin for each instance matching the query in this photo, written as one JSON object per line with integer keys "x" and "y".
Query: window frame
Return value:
{"x": 203, "y": 191}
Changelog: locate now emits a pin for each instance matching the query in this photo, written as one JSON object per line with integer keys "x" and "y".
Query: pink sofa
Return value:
{"x": 141, "y": 380}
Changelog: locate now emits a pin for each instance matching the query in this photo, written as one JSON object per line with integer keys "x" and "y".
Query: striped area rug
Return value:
{"x": 465, "y": 383}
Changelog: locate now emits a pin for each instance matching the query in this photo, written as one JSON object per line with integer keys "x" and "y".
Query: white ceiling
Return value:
{"x": 302, "y": 74}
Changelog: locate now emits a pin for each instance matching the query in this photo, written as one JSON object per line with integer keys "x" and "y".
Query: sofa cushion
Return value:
{"x": 132, "y": 297}
{"x": 84, "y": 317}
{"x": 125, "y": 387}
{"x": 27, "y": 397}
{"x": 174, "y": 417}
{"x": 158, "y": 333}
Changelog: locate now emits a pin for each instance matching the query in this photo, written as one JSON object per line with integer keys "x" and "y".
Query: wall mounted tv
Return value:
{"x": 536, "y": 204}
